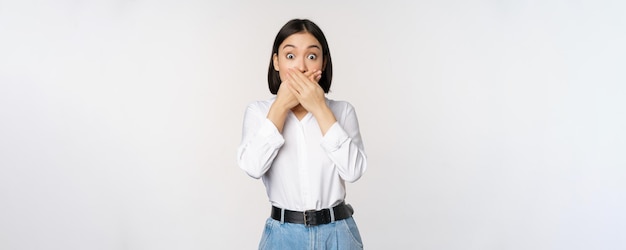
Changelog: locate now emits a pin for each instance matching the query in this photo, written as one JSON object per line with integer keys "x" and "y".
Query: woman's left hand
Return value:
{"x": 307, "y": 90}
{"x": 311, "y": 96}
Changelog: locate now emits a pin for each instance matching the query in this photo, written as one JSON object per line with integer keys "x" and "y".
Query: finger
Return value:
{"x": 309, "y": 73}
{"x": 300, "y": 77}
{"x": 295, "y": 77}
{"x": 293, "y": 90}
{"x": 316, "y": 76}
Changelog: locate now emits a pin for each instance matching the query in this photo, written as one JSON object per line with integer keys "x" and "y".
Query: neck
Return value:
{"x": 298, "y": 109}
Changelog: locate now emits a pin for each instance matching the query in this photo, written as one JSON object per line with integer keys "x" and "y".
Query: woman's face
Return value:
{"x": 299, "y": 51}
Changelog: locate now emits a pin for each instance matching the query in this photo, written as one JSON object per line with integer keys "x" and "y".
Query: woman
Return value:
{"x": 304, "y": 146}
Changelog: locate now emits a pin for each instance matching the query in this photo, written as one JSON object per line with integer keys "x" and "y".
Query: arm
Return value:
{"x": 260, "y": 143}
{"x": 342, "y": 142}
{"x": 285, "y": 100}
{"x": 344, "y": 146}
{"x": 262, "y": 132}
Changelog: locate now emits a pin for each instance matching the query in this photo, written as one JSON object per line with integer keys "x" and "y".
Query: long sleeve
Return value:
{"x": 344, "y": 146}
{"x": 259, "y": 144}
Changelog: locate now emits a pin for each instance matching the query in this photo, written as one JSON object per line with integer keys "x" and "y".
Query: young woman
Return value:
{"x": 304, "y": 146}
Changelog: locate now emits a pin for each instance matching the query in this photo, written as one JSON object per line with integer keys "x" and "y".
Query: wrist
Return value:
{"x": 280, "y": 106}
{"x": 321, "y": 110}
{"x": 277, "y": 115}
{"x": 325, "y": 118}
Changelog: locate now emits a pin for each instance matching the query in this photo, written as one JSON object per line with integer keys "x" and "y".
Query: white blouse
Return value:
{"x": 302, "y": 169}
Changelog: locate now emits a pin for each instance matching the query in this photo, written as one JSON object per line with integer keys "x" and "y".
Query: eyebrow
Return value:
{"x": 310, "y": 46}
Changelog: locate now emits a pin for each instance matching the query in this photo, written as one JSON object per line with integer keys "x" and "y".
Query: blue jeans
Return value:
{"x": 338, "y": 235}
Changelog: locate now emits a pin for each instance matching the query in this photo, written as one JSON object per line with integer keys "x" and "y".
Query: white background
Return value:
{"x": 488, "y": 124}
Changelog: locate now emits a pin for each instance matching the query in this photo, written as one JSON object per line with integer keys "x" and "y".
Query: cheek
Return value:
{"x": 282, "y": 70}
{"x": 314, "y": 66}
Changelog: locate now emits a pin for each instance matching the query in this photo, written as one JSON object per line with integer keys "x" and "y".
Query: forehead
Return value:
{"x": 300, "y": 40}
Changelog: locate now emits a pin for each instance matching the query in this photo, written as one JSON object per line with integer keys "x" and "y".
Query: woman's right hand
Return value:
{"x": 285, "y": 97}
{"x": 285, "y": 101}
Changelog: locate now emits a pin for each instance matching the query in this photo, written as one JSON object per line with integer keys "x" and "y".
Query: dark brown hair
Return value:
{"x": 296, "y": 26}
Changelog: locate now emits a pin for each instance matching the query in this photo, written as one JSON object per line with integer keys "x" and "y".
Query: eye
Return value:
{"x": 312, "y": 56}
{"x": 290, "y": 56}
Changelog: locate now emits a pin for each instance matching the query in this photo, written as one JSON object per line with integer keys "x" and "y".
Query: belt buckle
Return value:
{"x": 307, "y": 217}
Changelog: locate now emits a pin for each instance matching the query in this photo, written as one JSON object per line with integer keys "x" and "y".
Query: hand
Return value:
{"x": 311, "y": 96}
{"x": 305, "y": 88}
{"x": 285, "y": 97}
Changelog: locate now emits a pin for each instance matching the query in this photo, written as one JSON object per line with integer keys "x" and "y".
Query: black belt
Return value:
{"x": 314, "y": 217}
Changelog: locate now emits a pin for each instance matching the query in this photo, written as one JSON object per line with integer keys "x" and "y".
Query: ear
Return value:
{"x": 324, "y": 65}
{"x": 275, "y": 61}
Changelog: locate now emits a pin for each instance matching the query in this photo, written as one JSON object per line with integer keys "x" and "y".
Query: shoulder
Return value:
{"x": 260, "y": 106}
{"x": 339, "y": 105}
{"x": 341, "y": 109}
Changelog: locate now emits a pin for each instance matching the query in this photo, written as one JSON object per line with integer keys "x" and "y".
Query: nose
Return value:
{"x": 301, "y": 65}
